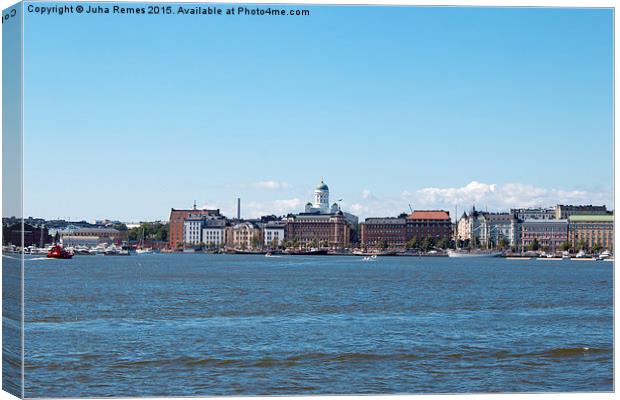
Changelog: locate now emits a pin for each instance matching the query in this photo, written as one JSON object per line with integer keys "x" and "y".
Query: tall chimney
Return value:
{"x": 238, "y": 208}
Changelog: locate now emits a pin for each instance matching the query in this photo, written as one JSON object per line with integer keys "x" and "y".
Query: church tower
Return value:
{"x": 321, "y": 197}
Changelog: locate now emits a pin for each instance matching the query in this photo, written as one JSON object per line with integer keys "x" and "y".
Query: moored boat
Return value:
{"x": 239, "y": 251}
{"x": 144, "y": 250}
{"x": 312, "y": 252}
{"x": 604, "y": 256}
{"x": 474, "y": 253}
{"x": 117, "y": 251}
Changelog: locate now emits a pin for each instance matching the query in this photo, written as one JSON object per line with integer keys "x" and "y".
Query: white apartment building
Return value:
{"x": 273, "y": 231}
{"x": 214, "y": 232}
{"x": 192, "y": 230}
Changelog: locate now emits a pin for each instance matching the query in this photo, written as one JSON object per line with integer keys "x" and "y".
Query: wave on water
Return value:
{"x": 572, "y": 351}
{"x": 184, "y": 360}
{"x": 266, "y": 362}
{"x": 39, "y": 259}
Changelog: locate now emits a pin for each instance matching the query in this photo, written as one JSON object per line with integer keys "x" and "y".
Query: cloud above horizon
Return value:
{"x": 271, "y": 184}
{"x": 491, "y": 196}
{"x": 505, "y": 196}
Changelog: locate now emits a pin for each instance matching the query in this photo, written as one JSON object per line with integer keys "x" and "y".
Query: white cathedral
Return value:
{"x": 321, "y": 201}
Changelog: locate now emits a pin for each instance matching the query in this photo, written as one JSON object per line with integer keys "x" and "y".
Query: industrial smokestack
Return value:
{"x": 238, "y": 208}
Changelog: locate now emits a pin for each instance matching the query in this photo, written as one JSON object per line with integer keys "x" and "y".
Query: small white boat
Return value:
{"x": 369, "y": 258}
{"x": 146, "y": 250}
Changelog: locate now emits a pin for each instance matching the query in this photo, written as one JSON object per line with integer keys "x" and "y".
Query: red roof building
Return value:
{"x": 432, "y": 224}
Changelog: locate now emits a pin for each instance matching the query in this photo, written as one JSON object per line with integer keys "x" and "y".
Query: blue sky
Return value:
{"x": 127, "y": 116}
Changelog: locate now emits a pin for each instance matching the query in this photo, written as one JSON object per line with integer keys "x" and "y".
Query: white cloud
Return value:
{"x": 359, "y": 209}
{"x": 255, "y": 209}
{"x": 503, "y": 196}
{"x": 491, "y": 196}
{"x": 271, "y": 185}
{"x": 287, "y": 205}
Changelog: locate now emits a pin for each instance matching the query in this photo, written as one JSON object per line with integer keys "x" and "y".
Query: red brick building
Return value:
{"x": 375, "y": 232}
{"x": 177, "y": 217}
{"x": 434, "y": 224}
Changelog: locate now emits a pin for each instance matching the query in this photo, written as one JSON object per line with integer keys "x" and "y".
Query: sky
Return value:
{"x": 127, "y": 116}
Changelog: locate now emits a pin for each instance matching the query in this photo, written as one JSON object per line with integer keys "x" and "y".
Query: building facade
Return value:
{"x": 214, "y": 232}
{"x": 549, "y": 233}
{"x": 376, "y": 232}
{"x": 204, "y": 230}
{"x": 243, "y": 235}
{"x": 590, "y": 231}
{"x": 177, "y": 220}
{"x": 495, "y": 227}
{"x": 318, "y": 229}
{"x": 431, "y": 224}
{"x": 462, "y": 228}
{"x": 523, "y": 214}
{"x": 74, "y": 236}
{"x": 192, "y": 230}
{"x": 563, "y": 211}
{"x": 273, "y": 233}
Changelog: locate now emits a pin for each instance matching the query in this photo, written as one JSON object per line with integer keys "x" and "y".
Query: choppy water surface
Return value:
{"x": 193, "y": 324}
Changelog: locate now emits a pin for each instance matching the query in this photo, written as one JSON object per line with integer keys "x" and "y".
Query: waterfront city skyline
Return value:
{"x": 501, "y": 107}
{"x": 495, "y": 194}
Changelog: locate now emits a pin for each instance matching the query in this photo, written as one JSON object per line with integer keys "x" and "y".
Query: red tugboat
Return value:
{"x": 58, "y": 252}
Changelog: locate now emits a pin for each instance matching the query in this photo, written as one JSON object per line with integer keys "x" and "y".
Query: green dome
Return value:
{"x": 322, "y": 186}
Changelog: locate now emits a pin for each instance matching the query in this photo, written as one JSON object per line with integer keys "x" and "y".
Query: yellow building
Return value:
{"x": 591, "y": 230}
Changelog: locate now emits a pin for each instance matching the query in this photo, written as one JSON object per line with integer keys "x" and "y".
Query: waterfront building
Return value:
{"x": 469, "y": 227}
{"x": 497, "y": 226}
{"x": 273, "y": 233}
{"x": 177, "y": 220}
{"x": 375, "y": 232}
{"x": 463, "y": 229}
{"x": 204, "y": 229}
{"x": 90, "y": 237}
{"x": 192, "y": 230}
{"x": 523, "y": 214}
{"x": 33, "y": 235}
{"x": 214, "y": 231}
{"x": 310, "y": 230}
{"x": 591, "y": 230}
{"x": 549, "y": 233}
{"x": 243, "y": 235}
{"x": 564, "y": 211}
{"x": 431, "y": 224}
